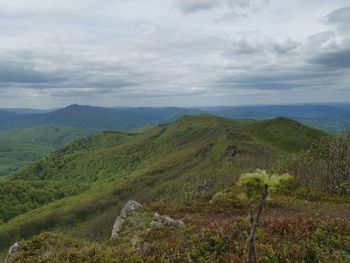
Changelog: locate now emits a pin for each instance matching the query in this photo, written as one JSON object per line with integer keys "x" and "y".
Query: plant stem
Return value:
{"x": 254, "y": 223}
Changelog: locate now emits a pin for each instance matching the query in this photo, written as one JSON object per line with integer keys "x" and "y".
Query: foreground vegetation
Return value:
{"x": 214, "y": 232}
{"x": 187, "y": 169}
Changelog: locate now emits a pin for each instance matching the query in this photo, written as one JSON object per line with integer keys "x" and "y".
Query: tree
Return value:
{"x": 325, "y": 166}
{"x": 256, "y": 187}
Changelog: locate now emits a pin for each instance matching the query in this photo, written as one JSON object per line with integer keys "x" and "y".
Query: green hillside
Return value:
{"x": 22, "y": 146}
{"x": 47, "y": 134}
{"x": 286, "y": 134}
{"x": 91, "y": 177}
{"x": 14, "y": 154}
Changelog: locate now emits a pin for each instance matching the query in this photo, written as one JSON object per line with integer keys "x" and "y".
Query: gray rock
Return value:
{"x": 127, "y": 209}
{"x": 13, "y": 251}
{"x": 156, "y": 224}
{"x": 160, "y": 221}
{"x": 135, "y": 243}
{"x": 138, "y": 245}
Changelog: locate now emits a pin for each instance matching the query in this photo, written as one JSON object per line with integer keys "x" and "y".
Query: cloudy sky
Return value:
{"x": 173, "y": 52}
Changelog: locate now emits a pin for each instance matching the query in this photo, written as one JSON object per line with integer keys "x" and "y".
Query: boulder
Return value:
{"x": 127, "y": 209}
{"x": 13, "y": 251}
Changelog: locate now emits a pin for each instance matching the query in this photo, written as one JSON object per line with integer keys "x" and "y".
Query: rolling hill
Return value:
{"x": 332, "y": 125}
{"x": 22, "y": 146}
{"x": 30, "y": 134}
{"x": 15, "y": 154}
{"x": 290, "y": 111}
{"x": 48, "y": 134}
{"x": 331, "y": 118}
{"x": 42, "y": 131}
{"x": 6, "y": 116}
{"x": 287, "y": 134}
{"x": 88, "y": 179}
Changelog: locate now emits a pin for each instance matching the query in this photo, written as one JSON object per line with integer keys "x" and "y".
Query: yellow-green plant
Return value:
{"x": 256, "y": 187}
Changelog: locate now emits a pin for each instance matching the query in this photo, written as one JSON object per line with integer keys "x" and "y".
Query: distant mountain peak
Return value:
{"x": 73, "y": 106}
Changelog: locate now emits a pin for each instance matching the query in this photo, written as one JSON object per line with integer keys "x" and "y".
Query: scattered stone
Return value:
{"x": 161, "y": 221}
{"x": 135, "y": 243}
{"x": 156, "y": 224}
{"x": 138, "y": 245}
{"x": 13, "y": 251}
{"x": 233, "y": 150}
{"x": 127, "y": 209}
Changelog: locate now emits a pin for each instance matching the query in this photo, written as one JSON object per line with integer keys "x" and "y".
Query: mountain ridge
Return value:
{"x": 111, "y": 167}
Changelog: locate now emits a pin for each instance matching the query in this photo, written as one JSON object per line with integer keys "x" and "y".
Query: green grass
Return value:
{"x": 166, "y": 163}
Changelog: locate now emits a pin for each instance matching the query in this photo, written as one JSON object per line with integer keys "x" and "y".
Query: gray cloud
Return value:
{"x": 263, "y": 46}
{"x": 191, "y": 6}
{"x": 52, "y": 74}
{"x": 338, "y": 17}
{"x": 278, "y": 79}
{"x": 231, "y": 7}
{"x": 330, "y": 49}
{"x": 137, "y": 52}
{"x": 12, "y": 73}
{"x": 334, "y": 59}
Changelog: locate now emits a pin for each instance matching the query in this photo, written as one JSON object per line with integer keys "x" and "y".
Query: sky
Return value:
{"x": 173, "y": 52}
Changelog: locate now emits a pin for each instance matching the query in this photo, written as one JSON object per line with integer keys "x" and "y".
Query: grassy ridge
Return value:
{"x": 288, "y": 135}
{"x": 167, "y": 162}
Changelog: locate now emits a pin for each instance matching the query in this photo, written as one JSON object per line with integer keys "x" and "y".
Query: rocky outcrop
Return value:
{"x": 127, "y": 209}
{"x": 161, "y": 221}
{"x": 13, "y": 251}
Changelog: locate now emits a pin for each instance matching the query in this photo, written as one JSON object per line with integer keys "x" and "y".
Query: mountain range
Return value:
{"x": 332, "y": 118}
{"x": 27, "y": 135}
